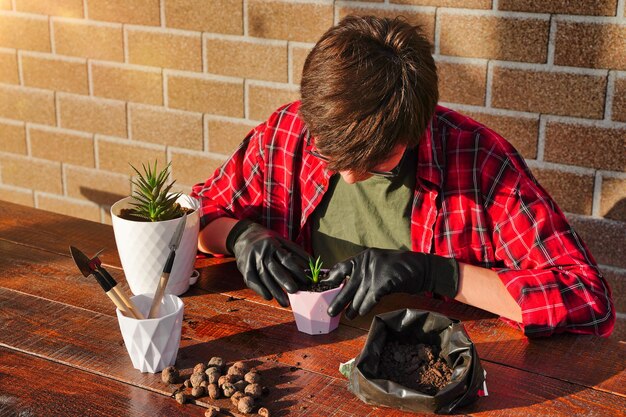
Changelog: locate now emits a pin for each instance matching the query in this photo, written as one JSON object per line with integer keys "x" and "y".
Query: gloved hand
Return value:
{"x": 375, "y": 273}
{"x": 269, "y": 264}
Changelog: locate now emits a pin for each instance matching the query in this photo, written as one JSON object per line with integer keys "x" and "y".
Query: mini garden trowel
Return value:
{"x": 94, "y": 267}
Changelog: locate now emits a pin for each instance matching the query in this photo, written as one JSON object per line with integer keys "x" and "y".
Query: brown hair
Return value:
{"x": 368, "y": 85}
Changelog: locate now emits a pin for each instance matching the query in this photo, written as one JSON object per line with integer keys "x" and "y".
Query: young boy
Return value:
{"x": 398, "y": 193}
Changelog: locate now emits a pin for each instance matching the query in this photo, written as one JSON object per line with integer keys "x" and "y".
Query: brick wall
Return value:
{"x": 87, "y": 86}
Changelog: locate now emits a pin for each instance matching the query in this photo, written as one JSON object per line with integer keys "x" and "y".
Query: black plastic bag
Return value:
{"x": 417, "y": 326}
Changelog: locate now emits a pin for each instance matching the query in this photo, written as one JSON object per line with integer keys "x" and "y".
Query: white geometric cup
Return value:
{"x": 152, "y": 344}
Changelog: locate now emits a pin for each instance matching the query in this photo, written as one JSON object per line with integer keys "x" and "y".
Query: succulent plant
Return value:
{"x": 152, "y": 199}
{"x": 315, "y": 267}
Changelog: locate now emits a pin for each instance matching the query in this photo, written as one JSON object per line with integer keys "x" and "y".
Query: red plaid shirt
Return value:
{"x": 475, "y": 200}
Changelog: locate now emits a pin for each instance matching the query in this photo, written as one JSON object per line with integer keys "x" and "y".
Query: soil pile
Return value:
{"x": 416, "y": 366}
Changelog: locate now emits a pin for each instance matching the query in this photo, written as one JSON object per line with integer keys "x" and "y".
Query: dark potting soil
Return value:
{"x": 416, "y": 366}
{"x": 319, "y": 287}
{"x": 126, "y": 214}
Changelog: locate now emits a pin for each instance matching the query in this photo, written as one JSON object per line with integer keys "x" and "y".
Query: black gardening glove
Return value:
{"x": 375, "y": 273}
{"x": 269, "y": 264}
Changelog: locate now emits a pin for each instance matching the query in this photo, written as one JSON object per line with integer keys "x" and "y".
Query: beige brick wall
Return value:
{"x": 87, "y": 86}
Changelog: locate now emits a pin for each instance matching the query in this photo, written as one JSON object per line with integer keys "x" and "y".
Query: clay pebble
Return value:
{"x": 197, "y": 378}
{"x": 198, "y": 391}
{"x": 252, "y": 377}
{"x": 245, "y": 404}
{"x": 214, "y": 391}
{"x": 181, "y": 397}
{"x": 236, "y": 373}
{"x": 212, "y": 411}
{"x": 224, "y": 379}
{"x": 254, "y": 390}
{"x": 229, "y": 389}
{"x": 199, "y": 368}
{"x": 235, "y": 398}
{"x": 169, "y": 375}
{"x": 213, "y": 374}
{"x": 241, "y": 366}
{"x": 216, "y": 362}
{"x": 241, "y": 385}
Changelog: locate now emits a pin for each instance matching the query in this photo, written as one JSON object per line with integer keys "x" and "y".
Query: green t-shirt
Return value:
{"x": 375, "y": 213}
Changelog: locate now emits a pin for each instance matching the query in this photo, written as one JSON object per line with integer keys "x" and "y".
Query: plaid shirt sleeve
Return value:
{"x": 236, "y": 188}
{"x": 548, "y": 269}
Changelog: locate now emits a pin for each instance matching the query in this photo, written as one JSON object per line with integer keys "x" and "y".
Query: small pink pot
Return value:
{"x": 309, "y": 310}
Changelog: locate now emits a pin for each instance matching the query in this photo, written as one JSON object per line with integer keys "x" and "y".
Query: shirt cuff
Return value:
{"x": 539, "y": 297}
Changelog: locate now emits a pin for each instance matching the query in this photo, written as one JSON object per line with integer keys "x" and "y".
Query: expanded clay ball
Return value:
{"x": 169, "y": 375}
{"x": 212, "y": 411}
{"x": 181, "y": 397}
{"x": 254, "y": 390}
{"x": 245, "y": 405}
{"x": 236, "y": 373}
{"x": 199, "y": 368}
{"x": 212, "y": 369}
{"x": 241, "y": 366}
{"x": 198, "y": 391}
{"x": 217, "y": 362}
{"x": 187, "y": 383}
{"x": 252, "y": 377}
{"x": 213, "y": 374}
{"x": 214, "y": 391}
{"x": 197, "y": 378}
{"x": 225, "y": 379}
{"x": 241, "y": 385}
{"x": 204, "y": 384}
{"x": 229, "y": 389}
{"x": 264, "y": 412}
{"x": 235, "y": 398}
{"x": 234, "y": 370}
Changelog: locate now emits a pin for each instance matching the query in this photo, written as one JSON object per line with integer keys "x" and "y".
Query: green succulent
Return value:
{"x": 315, "y": 267}
{"x": 150, "y": 197}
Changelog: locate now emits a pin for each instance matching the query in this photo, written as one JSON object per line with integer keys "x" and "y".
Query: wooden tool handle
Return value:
{"x": 128, "y": 303}
{"x": 109, "y": 285}
{"x": 158, "y": 296}
{"x": 119, "y": 304}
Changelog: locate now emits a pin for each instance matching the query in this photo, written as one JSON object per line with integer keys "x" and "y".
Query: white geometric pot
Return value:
{"x": 309, "y": 311}
{"x": 144, "y": 247}
{"x": 153, "y": 343}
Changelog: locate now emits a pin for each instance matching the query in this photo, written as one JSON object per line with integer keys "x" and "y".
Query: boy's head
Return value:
{"x": 368, "y": 85}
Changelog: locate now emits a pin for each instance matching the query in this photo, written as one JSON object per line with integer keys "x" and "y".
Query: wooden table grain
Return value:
{"x": 62, "y": 354}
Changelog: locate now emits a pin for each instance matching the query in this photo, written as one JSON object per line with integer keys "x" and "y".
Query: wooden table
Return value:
{"x": 61, "y": 351}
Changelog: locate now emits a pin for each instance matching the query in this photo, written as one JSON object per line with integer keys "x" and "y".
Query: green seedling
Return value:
{"x": 316, "y": 268}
